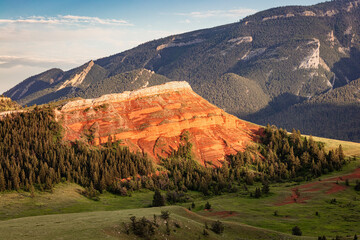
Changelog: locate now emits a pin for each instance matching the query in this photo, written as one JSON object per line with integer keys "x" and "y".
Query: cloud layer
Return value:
{"x": 233, "y": 13}
{"x": 31, "y": 45}
{"x": 68, "y": 19}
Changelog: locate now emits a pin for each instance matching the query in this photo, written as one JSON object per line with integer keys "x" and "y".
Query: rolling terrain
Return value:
{"x": 64, "y": 174}
{"x": 147, "y": 143}
{"x": 65, "y": 213}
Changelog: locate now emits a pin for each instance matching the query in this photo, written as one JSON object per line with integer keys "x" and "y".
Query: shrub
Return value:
{"x": 357, "y": 186}
{"x": 165, "y": 215}
{"x": 207, "y": 206}
{"x": 141, "y": 228}
{"x": 265, "y": 188}
{"x": 296, "y": 231}
{"x": 217, "y": 227}
{"x": 257, "y": 193}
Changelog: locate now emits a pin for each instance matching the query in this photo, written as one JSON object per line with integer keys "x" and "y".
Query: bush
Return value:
{"x": 173, "y": 197}
{"x": 296, "y": 231}
{"x": 91, "y": 193}
{"x": 165, "y": 215}
{"x": 257, "y": 193}
{"x": 141, "y": 228}
{"x": 265, "y": 188}
{"x": 207, "y": 206}
{"x": 217, "y": 227}
{"x": 357, "y": 186}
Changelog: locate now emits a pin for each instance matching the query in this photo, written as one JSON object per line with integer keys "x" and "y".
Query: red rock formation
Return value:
{"x": 152, "y": 121}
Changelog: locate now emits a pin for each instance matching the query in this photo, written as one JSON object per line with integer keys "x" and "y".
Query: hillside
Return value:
{"x": 111, "y": 153}
{"x": 339, "y": 109}
{"x": 6, "y": 104}
{"x": 258, "y": 66}
{"x": 155, "y": 120}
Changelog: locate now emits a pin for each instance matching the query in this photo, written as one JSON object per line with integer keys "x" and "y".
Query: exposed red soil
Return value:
{"x": 335, "y": 188}
{"x": 312, "y": 190}
{"x": 354, "y": 175}
{"x": 327, "y": 186}
{"x": 154, "y": 123}
{"x": 222, "y": 214}
{"x": 294, "y": 198}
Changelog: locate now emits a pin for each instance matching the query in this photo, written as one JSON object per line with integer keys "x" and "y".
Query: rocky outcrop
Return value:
{"x": 239, "y": 40}
{"x": 156, "y": 120}
{"x": 313, "y": 59}
{"x": 349, "y": 7}
{"x": 179, "y": 44}
{"x": 78, "y": 78}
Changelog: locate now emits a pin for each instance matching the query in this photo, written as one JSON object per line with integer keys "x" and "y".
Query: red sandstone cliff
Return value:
{"x": 152, "y": 120}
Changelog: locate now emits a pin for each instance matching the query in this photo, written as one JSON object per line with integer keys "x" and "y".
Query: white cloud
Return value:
{"x": 32, "y": 45}
{"x": 233, "y": 13}
{"x": 68, "y": 19}
{"x": 12, "y": 61}
{"x": 187, "y": 21}
{"x": 95, "y": 20}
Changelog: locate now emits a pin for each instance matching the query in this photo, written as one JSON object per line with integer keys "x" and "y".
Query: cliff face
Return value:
{"x": 155, "y": 121}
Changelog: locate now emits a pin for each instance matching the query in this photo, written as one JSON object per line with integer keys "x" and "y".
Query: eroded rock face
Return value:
{"x": 155, "y": 121}
{"x": 78, "y": 78}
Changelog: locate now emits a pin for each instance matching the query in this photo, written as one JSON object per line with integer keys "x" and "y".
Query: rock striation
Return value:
{"x": 156, "y": 120}
{"x": 78, "y": 78}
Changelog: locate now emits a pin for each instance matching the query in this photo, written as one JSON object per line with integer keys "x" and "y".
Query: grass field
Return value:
{"x": 108, "y": 224}
{"x": 350, "y": 148}
{"x": 66, "y": 198}
{"x": 66, "y": 214}
{"x": 76, "y": 217}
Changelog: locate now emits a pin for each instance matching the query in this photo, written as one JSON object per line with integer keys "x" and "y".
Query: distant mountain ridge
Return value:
{"x": 255, "y": 68}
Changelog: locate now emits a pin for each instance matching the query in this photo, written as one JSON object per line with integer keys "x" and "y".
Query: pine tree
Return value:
{"x": 2, "y": 181}
{"x": 158, "y": 199}
{"x": 265, "y": 188}
{"x": 207, "y": 206}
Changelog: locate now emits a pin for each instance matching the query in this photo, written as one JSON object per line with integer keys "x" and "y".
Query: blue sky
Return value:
{"x": 40, "y": 34}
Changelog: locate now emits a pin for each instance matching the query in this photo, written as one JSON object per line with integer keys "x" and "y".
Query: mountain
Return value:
{"x": 261, "y": 66}
{"x": 156, "y": 121}
{"x": 334, "y": 114}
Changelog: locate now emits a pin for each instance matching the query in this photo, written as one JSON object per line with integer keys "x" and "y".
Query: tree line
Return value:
{"x": 34, "y": 156}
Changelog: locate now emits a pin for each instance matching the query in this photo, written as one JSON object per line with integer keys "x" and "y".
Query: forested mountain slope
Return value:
{"x": 264, "y": 63}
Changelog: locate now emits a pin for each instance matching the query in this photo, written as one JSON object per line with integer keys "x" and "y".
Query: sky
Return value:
{"x": 36, "y": 35}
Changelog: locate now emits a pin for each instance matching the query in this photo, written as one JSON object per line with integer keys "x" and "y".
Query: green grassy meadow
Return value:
{"x": 66, "y": 214}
